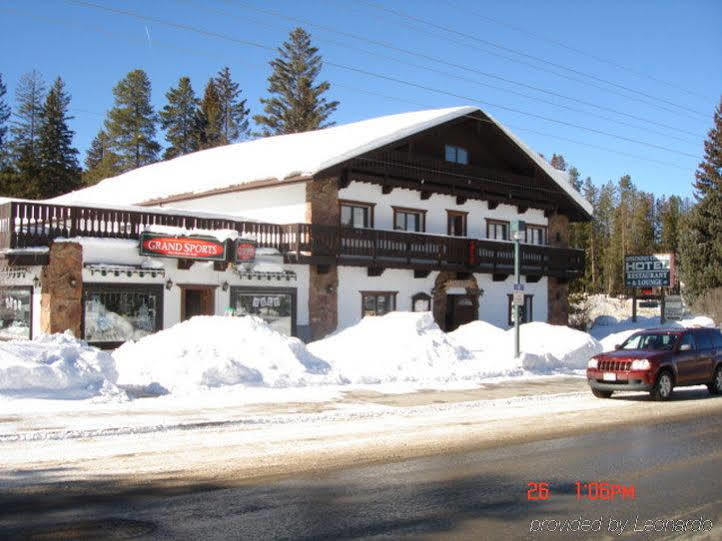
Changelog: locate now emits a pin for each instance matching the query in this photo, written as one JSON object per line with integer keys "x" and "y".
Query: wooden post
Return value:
{"x": 634, "y": 304}
{"x": 662, "y": 319}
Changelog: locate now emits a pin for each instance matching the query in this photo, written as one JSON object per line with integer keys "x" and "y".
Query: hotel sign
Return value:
{"x": 648, "y": 270}
{"x": 196, "y": 247}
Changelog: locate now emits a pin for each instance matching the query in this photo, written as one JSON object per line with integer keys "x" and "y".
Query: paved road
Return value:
{"x": 676, "y": 469}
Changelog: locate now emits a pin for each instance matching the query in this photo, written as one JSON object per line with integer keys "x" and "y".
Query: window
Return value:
{"x": 357, "y": 214}
{"x": 456, "y": 154}
{"x": 497, "y": 230}
{"x": 688, "y": 339}
{"x": 456, "y": 223}
{"x": 409, "y": 219}
{"x": 377, "y": 303}
{"x": 527, "y": 311}
{"x": 16, "y": 312}
{"x": 421, "y": 302}
{"x": 536, "y": 234}
{"x": 656, "y": 342}
{"x": 114, "y": 313}
{"x": 275, "y": 306}
{"x": 704, "y": 340}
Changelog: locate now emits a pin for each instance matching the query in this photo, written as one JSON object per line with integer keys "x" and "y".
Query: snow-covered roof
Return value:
{"x": 278, "y": 159}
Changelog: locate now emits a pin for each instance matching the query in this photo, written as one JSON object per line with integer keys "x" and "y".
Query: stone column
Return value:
{"x": 61, "y": 301}
{"x": 322, "y": 209}
{"x": 558, "y": 289}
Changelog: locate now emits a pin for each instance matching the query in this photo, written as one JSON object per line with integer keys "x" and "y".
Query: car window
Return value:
{"x": 716, "y": 338}
{"x": 688, "y": 339}
{"x": 704, "y": 340}
{"x": 661, "y": 341}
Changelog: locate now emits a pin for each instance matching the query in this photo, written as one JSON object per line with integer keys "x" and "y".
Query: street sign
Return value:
{"x": 518, "y": 295}
{"x": 648, "y": 270}
{"x": 673, "y": 307}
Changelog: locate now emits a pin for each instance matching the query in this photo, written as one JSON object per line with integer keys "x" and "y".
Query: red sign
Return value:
{"x": 245, "y": 251}
{"x": 205, "y": 248}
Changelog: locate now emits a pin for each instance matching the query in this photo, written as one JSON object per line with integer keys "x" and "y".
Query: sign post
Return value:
{"x": 518, "y": 227}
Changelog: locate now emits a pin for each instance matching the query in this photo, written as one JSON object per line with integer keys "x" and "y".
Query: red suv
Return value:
{"x": 658, "y": 360}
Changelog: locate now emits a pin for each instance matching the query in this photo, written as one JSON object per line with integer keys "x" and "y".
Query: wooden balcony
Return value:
{"x": 29, "y": 224}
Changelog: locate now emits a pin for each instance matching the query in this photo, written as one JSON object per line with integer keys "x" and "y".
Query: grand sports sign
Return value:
{"x": 648, "y": 270}
{"x": 195, "y": 247}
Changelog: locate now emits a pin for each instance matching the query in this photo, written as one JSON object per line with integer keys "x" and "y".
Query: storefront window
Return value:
{"x": 15, "y": 312}
{"x": 115, "y": 313}
{"x": 277, "y": 307}
{"x": 377, "y": 303}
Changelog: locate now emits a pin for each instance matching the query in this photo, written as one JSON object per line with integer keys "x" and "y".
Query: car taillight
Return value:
{"x": 640, "y": 364}
{"x": 592, "y": 363}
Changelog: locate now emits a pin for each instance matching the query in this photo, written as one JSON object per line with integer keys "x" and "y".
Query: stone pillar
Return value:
{"x": 322, "y": 209}
{"x": 61, "y": 301}
{"x": 558, "y": 289}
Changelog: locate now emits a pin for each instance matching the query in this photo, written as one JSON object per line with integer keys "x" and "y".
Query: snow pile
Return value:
{"x": 56, "y": 366}
{"x": 215, "y": 351}
{"x": 611, "y": 335}
{"x": 478, "y": 335}
{"x": 221, "y": 235}
{"x": 552, "y": 347}
{"x": 399, "y": 346}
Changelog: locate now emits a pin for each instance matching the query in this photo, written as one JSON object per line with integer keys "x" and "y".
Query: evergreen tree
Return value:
{"x": 558, "y": 162}
{"x": 59, "y": 169}
{"x": 29, "y": 94}
{"x": 233, "y": 110}
{"x": 100, "y": 161}
{"x": 131, "y": 123}
{"x": 701, "y": 239}
{"x": 179, "y": 118}
{"x": 4, "y": 116}
{"x": 297, "y": 103}
{"x": 574, "y": 178}
{"x": 209, "y": 121}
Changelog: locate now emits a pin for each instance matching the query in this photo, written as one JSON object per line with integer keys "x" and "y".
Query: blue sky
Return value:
{"x": 656, "y": 61}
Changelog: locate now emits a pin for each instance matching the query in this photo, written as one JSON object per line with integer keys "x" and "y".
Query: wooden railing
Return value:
{"x": 28, "y": 224}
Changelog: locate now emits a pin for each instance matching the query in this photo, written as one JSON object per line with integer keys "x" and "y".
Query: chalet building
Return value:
{"x": 401, "y": 212}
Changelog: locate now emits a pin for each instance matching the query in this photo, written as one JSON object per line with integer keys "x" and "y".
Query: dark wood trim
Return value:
{"x": 461, "y": 213}
{"x": 211, "y": 298}
{"x": 352, "y": 203}
{"x": 252, "y": 290}
{"x": 386, "y": 189}
{"x": 540, "y": 226}
{"x": 387, "y": 293}
{"x": 490, "y": 221}
{"x": 30, "y": 289}
{"x": 408, "y": 210}
{"x": 460, "y": 200}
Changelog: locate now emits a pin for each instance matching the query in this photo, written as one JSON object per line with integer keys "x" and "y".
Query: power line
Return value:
{"x": 387, "y": 45}
{"x": 459, "y": 77}
{"x": 377, "y": 76}
{"x": 573, "y": 49}
{"x": 196, "y": 52}
{"x": 401, "y": 14}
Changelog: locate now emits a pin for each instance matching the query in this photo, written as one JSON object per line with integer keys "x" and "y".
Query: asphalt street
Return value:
{"x": 675, "y": 468}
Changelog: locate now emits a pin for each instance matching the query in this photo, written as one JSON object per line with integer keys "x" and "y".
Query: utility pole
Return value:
{"x": 518, "y": 228}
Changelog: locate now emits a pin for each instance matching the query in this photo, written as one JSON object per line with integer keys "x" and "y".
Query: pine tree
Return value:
{"x": 574, "y": 178}
{"x": 100, "y": 161}
{"x": 297, "y": 103}
{"x": 701, "y": 239}
{"x": 59, "y": 169}
{"x": 209, "y": 121}
{"x": 179, "y": 118}
{"x": 4, "y": 116}
{"x": 233, "y": 110}
{"x": 558, "y": 162}
{"x": 131, "y": 123}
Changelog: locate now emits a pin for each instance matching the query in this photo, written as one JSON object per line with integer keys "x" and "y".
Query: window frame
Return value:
{"x": 527, "y": 298}
{"x": 456, "y": 149}
{"x": 31, "y": 292}
{"x": 390, "y": 294}
{"x": 545, "y": 233}
{"x": 158, "y": 289}
{"x": 260, "y": 290}
{"x": 450, "y": 213}
{"x": 493, "y": 221}
{"x": 407, "y": 210}
{"x": 361, "y": 204}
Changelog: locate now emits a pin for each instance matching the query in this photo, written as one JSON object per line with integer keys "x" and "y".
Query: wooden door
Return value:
{"x": 460, "y": 310}
{"x": 197, "y": 301}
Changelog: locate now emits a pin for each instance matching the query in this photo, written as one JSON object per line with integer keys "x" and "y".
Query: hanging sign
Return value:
{"x": 245, "y": 251}
{"x": 648, "y": 270}
{"x": 196, "y": 247}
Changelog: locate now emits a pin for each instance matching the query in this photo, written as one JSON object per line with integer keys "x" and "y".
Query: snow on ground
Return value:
{"x": 215, "y": 351}
{"x": 478, "y": 335}
{"x": 56, "y": 366}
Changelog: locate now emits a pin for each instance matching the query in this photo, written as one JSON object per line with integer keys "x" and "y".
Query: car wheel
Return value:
{"x": 662, "y": 390}
{"x": 601, "y": 394}
{"x": 716, "y": 386}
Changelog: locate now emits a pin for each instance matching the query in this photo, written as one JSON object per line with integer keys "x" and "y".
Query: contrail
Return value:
{"x": 147, "y": 33}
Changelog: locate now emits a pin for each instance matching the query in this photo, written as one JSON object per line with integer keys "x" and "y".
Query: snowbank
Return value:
{"x": 399, "y": 346}
{"x": 215, "y": 351}
{"x": 56, "y": 366}
{"x": 478, "y": 335}
{"x": 551, "y": 347}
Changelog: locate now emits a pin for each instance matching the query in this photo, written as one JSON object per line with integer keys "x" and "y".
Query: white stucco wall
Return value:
{"x": 494, "y": 303}
{"x": 436, "y": 207}
{"x": 284, "y": 204}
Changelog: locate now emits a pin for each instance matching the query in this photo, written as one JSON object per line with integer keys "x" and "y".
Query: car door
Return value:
{"x": 686, "y": 359}
{"x": 707, "y": 354}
